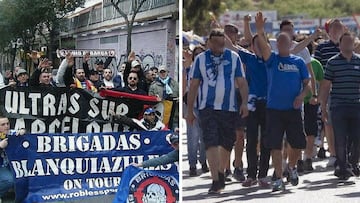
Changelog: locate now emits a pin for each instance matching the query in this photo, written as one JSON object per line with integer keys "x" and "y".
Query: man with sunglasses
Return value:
{"x": 132, "y": 86}
{"x": 216, "y": 71}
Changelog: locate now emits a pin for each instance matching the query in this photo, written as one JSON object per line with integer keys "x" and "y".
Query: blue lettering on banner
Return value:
{"x": 50, "y": 167}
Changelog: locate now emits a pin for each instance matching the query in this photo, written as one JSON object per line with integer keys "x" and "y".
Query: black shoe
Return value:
{"x": 204, "y": 168}
{"x": 356, "y": 170}
{"x": 221, "y": 180}
{"x": 308, "y": 165}
{"x": 300, "y": 166}
{"x": 227, "y": 174}
{"x": 192, "y": 172}
{"x": 215, "y": 188}
{"x": 343, "y": 174}
{"x": 321, "y": 153}
{"x": 239, "y": 174}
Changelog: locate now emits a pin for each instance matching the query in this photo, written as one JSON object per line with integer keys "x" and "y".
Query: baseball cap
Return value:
{"x": 162, "y": 67}
{"x": 149, "y": 111}
{"x": 135, "y": 63}
{"x": 231, "y": 28}
{"x": 21, "y": 71}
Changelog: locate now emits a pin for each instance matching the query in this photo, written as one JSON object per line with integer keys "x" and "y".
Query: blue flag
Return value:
{"x": 139, "y": 185}
{"x": 53, "y": 167}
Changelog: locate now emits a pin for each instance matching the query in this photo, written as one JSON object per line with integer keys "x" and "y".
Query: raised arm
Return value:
{"x": 264, "y": 46}
{"x": 301, "y": 45}
{"x": 247, "y": 32}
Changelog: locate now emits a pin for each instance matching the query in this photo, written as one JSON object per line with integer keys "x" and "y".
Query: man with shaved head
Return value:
{"x": 288, "y": 84}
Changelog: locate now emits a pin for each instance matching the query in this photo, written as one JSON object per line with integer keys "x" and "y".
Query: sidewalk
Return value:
{"x": 319, "y": 186}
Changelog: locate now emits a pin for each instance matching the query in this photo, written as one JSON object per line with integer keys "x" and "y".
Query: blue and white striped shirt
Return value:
{"x": 217, "y": 75}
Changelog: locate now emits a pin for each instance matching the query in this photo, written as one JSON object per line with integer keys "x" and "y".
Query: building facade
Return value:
{"x": 99, "y": 26}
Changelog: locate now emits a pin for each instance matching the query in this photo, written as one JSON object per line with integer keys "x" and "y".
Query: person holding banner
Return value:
{"x": 168, "y": 158}
{"x": 216, "y": 71}
{"x": 6, "y": 176}
{"x": 149, "y": 122}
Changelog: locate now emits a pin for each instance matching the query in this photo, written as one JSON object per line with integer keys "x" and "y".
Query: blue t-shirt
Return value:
{"x": 255, "y": 73}
{"x": 217, "y": 75}
{"x": 285, "y": 79}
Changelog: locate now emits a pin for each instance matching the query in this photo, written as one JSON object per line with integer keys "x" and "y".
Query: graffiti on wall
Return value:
{"x": 148, "y": 59}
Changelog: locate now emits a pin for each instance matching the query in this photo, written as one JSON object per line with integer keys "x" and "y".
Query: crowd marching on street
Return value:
{"x": 277, "y": 98}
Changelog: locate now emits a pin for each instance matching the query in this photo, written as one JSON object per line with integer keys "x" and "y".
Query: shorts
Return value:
{"x": 310, "y": 119}
{"x": 218, "y": 128}
{"x": 280, "y": 122}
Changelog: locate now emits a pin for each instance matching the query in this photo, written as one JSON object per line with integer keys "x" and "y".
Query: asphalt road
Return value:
{"x": 318, "y": 186}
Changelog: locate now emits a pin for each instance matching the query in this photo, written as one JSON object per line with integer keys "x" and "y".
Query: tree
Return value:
{"x": 25, "y": 18}
{"x": 129, "y": 18}
{"x": 200, "y": 20}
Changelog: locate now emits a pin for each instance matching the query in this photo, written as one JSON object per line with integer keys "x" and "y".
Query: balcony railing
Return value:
{"x": 108, "y": 12}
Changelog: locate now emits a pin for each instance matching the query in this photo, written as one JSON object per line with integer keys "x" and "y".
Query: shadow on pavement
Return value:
{"x": 242, "y": 194}
{"x": 350, "y": 195}
{"x": 325, "y": 184}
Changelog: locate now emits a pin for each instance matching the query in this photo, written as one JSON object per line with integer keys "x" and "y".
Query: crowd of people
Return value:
{"x": 280, "y": 95}
{"x": 130, "y": 78}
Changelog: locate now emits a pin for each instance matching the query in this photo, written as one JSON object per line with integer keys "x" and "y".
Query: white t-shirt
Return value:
{"x": 304, "y": 54}
{"x": 108, "y": 83}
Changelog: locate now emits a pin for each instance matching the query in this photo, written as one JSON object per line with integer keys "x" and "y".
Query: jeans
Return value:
{"x": 195, "y": 142}
{"x": 6, "y": 180}
{"x": 255, "y": 120}
{"x": 346, "y": 120}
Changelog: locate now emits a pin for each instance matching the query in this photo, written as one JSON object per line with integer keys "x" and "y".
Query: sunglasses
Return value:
{"x": 162, "y": 71}
{"x": 131, "y": 78}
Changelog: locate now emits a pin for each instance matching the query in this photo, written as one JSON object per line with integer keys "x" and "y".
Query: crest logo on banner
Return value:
{"x": 146, "y": 186}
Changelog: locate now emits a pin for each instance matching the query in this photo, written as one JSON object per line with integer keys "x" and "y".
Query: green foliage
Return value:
{"x": 23, "y": 18}
{"x": 196, "y": 11}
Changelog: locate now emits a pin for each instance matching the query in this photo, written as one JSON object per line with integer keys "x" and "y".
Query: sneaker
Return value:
{"x": 239, "y": 174}
{"x": 293, "y": 176}
{"x": 300, "y": 166}
{"x": 278, "y": 185}
{"x": 192, "y": 172}
{"x": 227, "y": 174}
{"x": 308, "y": 165}
{"x": 321, "y": 153}
{"x": 204, "y": 168}
{"x": 222, "y": 180}
{"x": 249, "y": 182}
{"x": 215, "y": 188}
{"x": 331, "y": 162}
{"x": 262, "y": 182}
